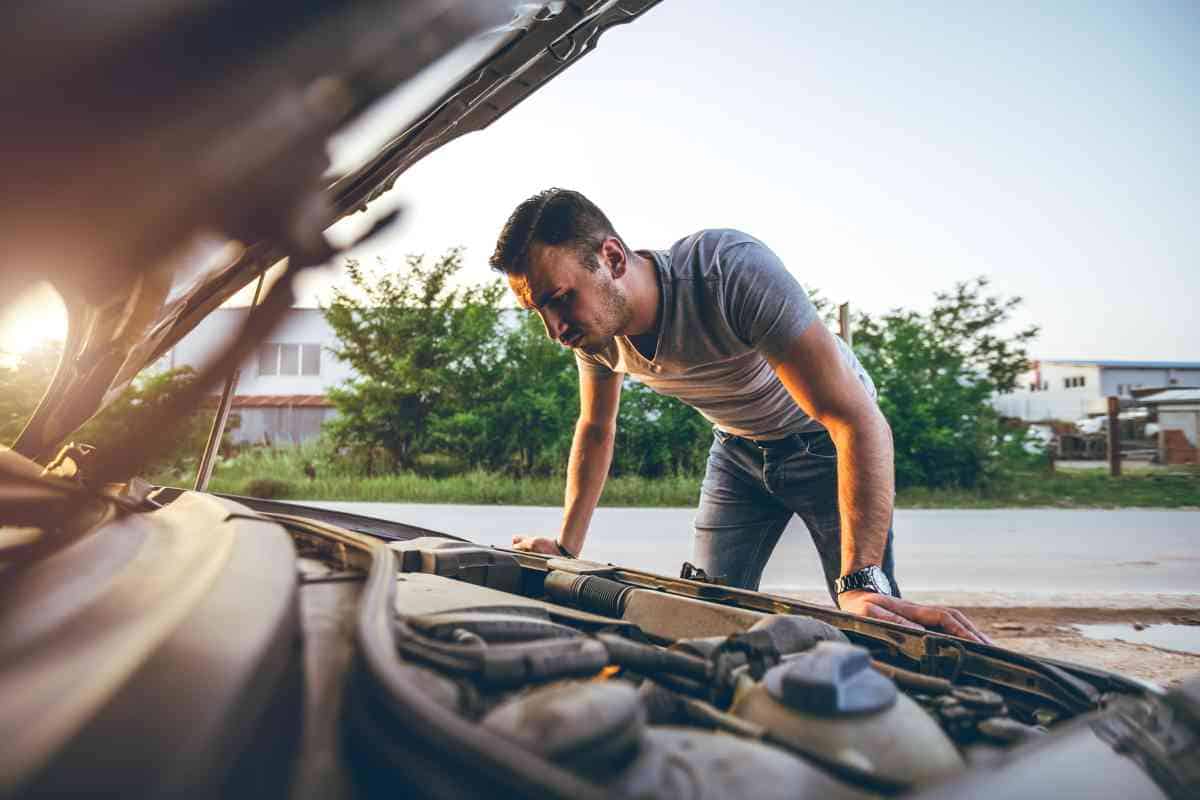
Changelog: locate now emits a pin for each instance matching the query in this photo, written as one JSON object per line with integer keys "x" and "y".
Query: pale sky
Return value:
{"x": 884, "y": 150}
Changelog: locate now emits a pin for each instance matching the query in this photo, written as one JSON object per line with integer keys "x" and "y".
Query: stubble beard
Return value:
{"x": 615, "y": 315}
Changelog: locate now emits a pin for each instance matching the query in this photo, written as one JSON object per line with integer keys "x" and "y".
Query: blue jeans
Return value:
{"x": 749, "y": 495}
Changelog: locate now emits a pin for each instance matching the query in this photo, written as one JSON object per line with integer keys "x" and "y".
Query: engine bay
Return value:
{"x": 197, "y": 646}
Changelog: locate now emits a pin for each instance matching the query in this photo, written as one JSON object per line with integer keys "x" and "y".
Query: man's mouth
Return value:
{"x": 571, "y": 341}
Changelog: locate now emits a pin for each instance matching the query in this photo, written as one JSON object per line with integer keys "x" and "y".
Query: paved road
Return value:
{"x": 1007, "y": 550}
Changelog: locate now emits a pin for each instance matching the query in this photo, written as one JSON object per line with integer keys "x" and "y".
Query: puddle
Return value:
{"x": 1185, "y": 638}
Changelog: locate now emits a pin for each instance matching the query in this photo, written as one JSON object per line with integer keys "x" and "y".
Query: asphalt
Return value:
{"x": 1094, "y": 558}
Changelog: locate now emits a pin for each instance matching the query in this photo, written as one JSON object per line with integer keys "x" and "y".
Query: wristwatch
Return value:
{"x": 564, "y": 552}
{"x": 867, "y": 579}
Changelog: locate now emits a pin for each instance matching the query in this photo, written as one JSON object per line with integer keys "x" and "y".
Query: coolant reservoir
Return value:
{"x": 830, "y": 702}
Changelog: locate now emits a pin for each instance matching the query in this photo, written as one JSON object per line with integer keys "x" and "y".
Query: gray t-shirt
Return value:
{"x": 727, "y": 304}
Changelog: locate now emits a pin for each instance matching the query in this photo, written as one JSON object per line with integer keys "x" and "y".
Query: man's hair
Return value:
{"x": 554, "y": 217}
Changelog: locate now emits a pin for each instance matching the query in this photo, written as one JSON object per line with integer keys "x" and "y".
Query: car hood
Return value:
{"x": 215, "y": 174}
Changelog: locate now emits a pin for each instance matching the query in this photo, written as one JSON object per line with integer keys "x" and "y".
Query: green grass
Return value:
{"x": 280, "y": 474}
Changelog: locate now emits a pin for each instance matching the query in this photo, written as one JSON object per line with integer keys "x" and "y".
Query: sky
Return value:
{"x": 884, "y": 150}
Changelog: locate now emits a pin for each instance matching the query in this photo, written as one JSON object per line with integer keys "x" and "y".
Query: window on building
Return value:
{"x": 276, "y": 358}
{"x": 268, "y": 359}
{"x": 1083, "y": 380}
{"x": 310, "y": 359}
{"x": 289, "y": 359}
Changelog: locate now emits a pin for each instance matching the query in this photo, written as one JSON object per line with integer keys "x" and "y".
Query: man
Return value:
{"x": 719, "y": 323}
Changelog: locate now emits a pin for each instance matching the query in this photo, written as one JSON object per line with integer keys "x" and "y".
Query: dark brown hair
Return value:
{"x": 554, "y": 217}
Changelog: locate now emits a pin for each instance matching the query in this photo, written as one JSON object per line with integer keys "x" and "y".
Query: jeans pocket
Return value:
{"x": 821, "y": 446}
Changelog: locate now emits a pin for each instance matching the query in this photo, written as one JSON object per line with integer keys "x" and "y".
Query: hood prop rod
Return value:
{"x": 209, "y": 458}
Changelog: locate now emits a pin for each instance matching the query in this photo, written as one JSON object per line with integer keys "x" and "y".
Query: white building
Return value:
{"x": 1179, "y": 424}
{"x": 1075, "y": 389}
{"x": 281, "y": 389}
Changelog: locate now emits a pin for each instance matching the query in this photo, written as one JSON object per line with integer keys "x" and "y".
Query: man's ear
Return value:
{"x": 612, "y": 256}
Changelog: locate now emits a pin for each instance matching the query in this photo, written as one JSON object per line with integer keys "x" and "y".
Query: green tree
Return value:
{"x": 24, "y": 380}
{"x": 422, "y": 348}
{"x": 658, "y": 435}
{"x": 936, "y": 374}
{"x": 120, "y": 423}
{"x": 523, "y": 421}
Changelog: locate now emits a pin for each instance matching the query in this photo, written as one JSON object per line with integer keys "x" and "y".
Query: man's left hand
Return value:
{"x": 910, "y": 614}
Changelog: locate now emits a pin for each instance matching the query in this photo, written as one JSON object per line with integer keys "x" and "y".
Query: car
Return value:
{"x": 163, "y": 642}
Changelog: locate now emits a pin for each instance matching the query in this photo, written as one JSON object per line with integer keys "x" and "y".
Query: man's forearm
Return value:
{"x": 866, "y": 490}
{"x": 587, "y": 469}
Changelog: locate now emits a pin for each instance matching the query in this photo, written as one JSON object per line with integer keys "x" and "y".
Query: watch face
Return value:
{"x": 871, "y": 579}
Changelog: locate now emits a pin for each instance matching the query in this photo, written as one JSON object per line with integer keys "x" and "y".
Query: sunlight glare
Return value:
{"x": 38, "y": 316}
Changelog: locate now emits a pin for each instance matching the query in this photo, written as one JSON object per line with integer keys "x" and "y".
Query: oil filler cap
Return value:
{"x": 831, "y": 680}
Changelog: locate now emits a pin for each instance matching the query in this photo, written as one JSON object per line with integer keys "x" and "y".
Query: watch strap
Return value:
{"x": 867, "y": 579}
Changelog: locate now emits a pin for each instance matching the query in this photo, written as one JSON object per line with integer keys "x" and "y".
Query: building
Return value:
{"x": 281, "y": 390}
{"x": 1178, "y": 424}
{"x": 1076, "y": 389}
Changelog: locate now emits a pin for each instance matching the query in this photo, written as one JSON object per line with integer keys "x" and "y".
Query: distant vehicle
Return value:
{"x": 158, "y": 642}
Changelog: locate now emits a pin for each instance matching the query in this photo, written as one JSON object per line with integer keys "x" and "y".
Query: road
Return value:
{"x": 1020, "y": 551}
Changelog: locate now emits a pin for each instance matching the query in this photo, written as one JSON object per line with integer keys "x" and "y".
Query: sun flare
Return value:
{"x": 35, "y": 318}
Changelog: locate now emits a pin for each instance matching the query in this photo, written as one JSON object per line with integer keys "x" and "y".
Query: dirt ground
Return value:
{"x": 1042, "y": 625}
{"x": 1049, "y": 632}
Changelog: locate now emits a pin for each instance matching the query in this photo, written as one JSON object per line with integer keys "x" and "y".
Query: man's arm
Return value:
{"x": 587, "y": 468}
{"x": 825, "y": 386}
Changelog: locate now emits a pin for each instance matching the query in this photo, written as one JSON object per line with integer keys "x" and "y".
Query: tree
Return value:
{"x": 936, "y": 374}
{"x": 120, "y": 423}
{"x": 23, "y": 381}
{"x": 523, "y": 420}
{"x": 421, "y": 347}
{"x": 658, "y": 435}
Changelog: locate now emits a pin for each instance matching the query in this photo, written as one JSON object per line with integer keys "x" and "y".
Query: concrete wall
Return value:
{"x": 1056, "y": 399}
{"x": 1118, "y": 381}
{"x": 1185, "y": 419}
{"x": 301, "y": 326}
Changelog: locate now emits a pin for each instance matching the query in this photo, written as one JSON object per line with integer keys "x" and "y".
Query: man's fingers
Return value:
{"x": 878, "y": 612}
{"x": 949, "y": 620}
{"x": 976, "y": 634}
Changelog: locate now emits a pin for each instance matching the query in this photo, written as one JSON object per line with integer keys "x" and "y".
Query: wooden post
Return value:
{"x": 844, "y": 324}
{"x": 1114, "y": 437}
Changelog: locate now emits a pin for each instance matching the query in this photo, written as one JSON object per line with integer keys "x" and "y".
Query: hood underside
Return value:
{"x": 206, "y": 155}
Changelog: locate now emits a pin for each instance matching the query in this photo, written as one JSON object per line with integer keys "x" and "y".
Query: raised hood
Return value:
{"x": 188, "y": 155}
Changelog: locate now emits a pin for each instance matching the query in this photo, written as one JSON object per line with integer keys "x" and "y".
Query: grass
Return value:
{"x": 280, "y": 474}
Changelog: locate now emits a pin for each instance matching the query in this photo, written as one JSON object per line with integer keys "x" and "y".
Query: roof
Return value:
{"x": 1083, "y": 362}
{"x": 281, "y": 401}
{"x": 1173, "y": 397}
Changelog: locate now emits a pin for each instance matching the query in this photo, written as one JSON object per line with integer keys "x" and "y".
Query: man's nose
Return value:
{"x": 554, "y": 325}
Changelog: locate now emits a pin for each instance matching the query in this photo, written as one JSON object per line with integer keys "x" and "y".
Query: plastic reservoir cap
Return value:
{"x": 830, "y": 680}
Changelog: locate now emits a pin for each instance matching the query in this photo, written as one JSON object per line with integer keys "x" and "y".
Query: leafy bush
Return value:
{"x": 120, "y": 425}
{"x": 936, "y": 374}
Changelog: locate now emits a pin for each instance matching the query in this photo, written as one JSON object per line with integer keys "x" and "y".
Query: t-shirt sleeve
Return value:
{"x": 591, "y": 365}
{"x": 766, "y": 306}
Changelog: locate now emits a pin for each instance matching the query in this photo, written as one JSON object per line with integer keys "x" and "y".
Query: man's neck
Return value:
{"x": 644, "y": 296}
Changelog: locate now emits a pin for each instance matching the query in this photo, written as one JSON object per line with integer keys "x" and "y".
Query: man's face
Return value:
{"x": 581, "y": 308}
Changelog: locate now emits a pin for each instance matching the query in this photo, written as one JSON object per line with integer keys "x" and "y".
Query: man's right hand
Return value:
{"x": 536, "y": 544}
